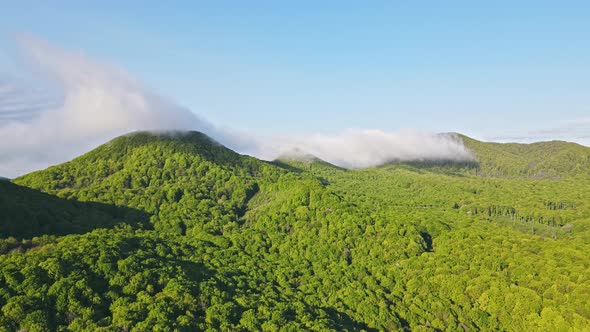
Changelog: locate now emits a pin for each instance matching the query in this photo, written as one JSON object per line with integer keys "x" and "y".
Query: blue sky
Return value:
{"x": 490, "y": 69}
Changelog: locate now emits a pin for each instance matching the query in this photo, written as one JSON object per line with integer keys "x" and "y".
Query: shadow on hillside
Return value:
{"x": 286, "y": 166}
{"x": 295, "y": 169}
{"x": 449, "y": 167}
{"x": 26, "y": 213}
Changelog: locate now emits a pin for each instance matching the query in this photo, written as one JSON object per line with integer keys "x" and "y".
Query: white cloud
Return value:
{"x": 359, "y": 148}
{"x": 96, "y": 102}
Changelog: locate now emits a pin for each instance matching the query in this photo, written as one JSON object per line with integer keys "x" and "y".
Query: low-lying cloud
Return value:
{"x": 93, "y": 102}
{"x": 360, "y": 148}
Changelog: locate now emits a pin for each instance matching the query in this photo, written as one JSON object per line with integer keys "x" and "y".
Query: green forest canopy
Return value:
{"x": 177, "y": 232}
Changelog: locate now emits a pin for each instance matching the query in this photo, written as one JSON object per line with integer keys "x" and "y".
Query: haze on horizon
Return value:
{"x": 354, "y": 85}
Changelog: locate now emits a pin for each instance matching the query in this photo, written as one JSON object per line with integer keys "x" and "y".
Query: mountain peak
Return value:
{"x": 299, "y": 160}
{"x": 192, "y": 142}
{"x": 138, "y": 152}
{"x": 300, "y": 156}
{"x": 143, "y": 137}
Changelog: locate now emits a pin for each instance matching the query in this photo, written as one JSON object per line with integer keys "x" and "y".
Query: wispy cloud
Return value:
{"x": 19, "y": 102}
{"x": 94, "y": 102}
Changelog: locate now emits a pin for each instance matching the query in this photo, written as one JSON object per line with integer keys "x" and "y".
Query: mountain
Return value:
{"x": 166, "y": 174}
{"x": 173, "y": 231}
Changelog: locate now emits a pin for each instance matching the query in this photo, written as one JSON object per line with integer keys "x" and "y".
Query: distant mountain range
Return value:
{"x": 177, "y": 232}
{"x": 535, "y": 160}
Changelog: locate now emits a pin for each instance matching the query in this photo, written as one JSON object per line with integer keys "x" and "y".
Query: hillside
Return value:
{"x": 195, "y": 236}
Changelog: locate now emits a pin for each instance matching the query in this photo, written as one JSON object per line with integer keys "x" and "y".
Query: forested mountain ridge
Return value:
{"x": 541, "y": 160}
{"x": 212, "y": 240}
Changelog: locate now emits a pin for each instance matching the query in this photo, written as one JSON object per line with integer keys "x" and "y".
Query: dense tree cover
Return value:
{"x": 197, "y": 237}
{"x": 133, "y": 280}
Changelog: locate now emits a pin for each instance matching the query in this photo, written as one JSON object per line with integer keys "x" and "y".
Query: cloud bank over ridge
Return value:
{"x": 360, "y": 148}
{"x": 96, "y": 102}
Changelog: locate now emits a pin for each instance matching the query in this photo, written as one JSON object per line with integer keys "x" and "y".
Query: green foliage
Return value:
{"x": 175, "y": 232}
